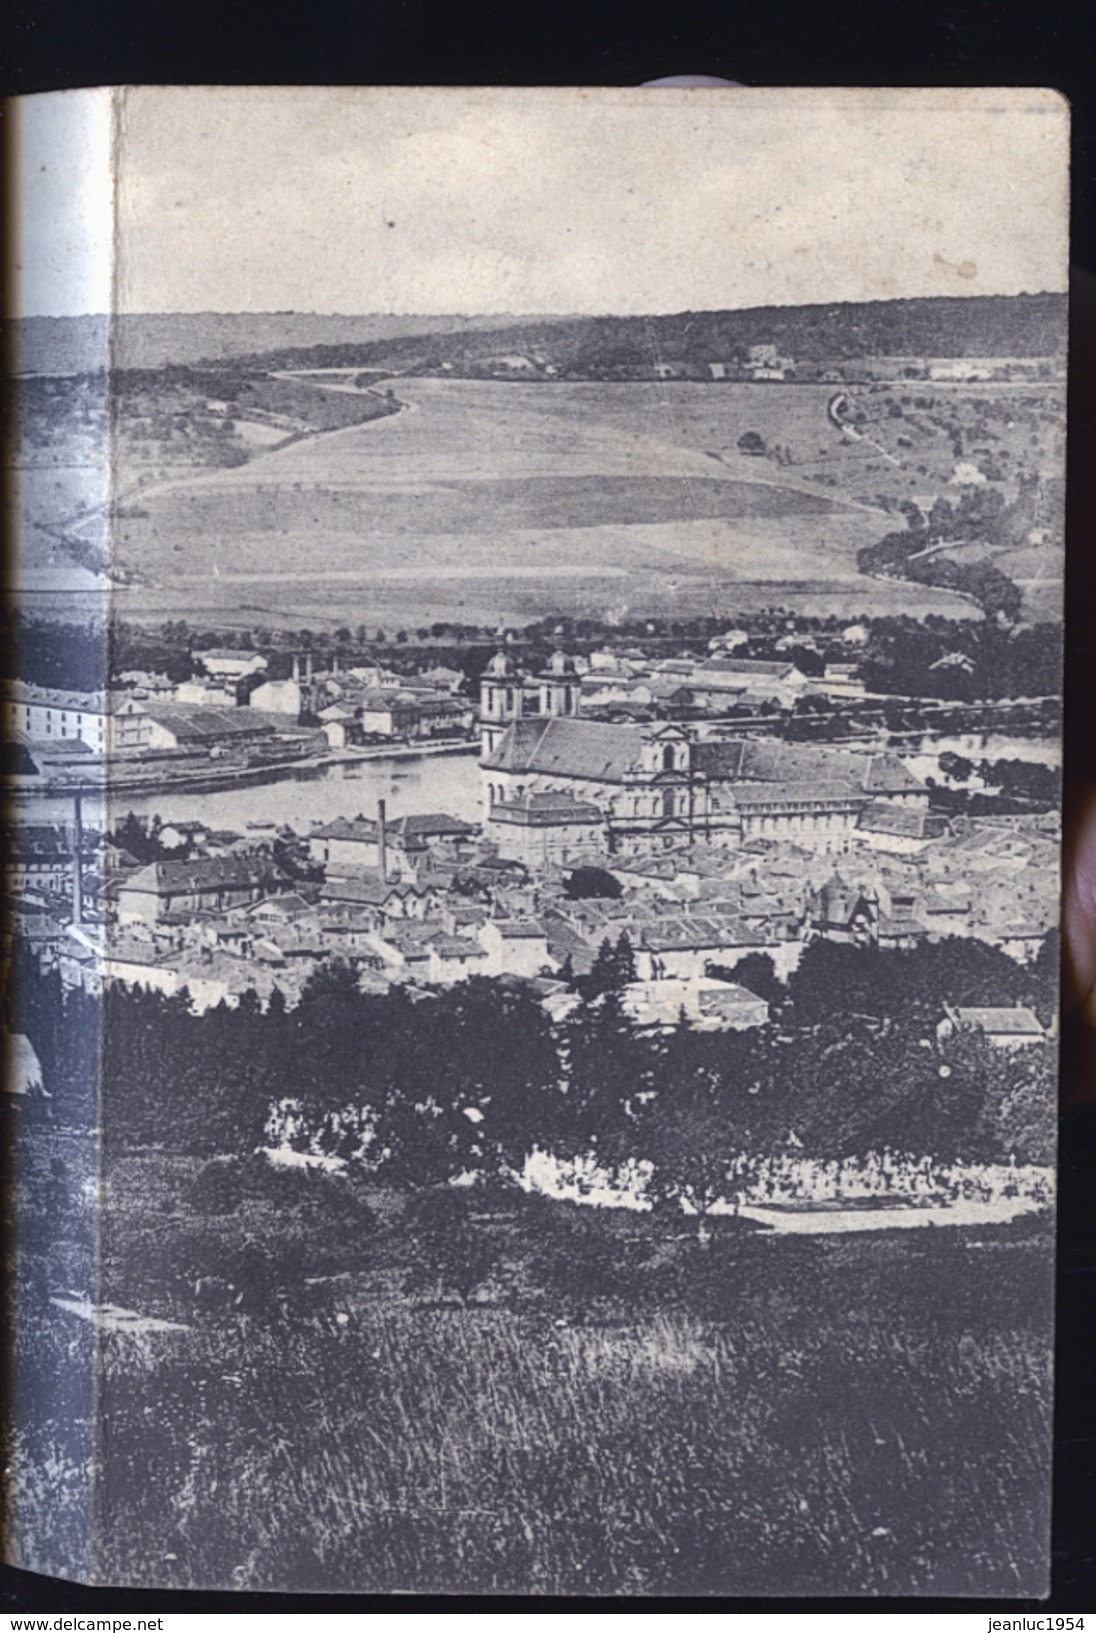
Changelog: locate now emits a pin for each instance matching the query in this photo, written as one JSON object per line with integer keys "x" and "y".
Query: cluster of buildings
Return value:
{"x": 428, "y": 899}
{"x": 349, "y": 704}
{"x": 706, "y": 847}
{"x": 622, "y": 685}
{"x": 558, "y": 782}
{"x": 232, "y": 710}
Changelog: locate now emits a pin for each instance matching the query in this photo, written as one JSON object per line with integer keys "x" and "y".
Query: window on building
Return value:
{"x": 668, "y": 757}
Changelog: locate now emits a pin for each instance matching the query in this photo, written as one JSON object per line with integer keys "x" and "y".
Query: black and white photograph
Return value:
{"x": 532, "y": 710}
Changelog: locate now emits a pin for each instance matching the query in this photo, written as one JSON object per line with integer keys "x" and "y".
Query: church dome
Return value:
{"x": 560, "y": 666}
{"x": 501, "y": 666}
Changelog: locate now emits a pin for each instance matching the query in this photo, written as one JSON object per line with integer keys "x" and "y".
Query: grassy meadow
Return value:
{"x": 483, "y": 499}
{"x": 567, "y": 1401}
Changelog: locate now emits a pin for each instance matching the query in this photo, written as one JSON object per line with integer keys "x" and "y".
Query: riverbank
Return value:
{"x": 115, "y": 780}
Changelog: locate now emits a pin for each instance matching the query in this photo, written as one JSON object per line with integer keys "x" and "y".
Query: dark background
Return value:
{"x": 57, "y": 44}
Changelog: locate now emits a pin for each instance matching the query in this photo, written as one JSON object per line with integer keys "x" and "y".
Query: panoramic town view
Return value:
{"x": 531, "y": 967}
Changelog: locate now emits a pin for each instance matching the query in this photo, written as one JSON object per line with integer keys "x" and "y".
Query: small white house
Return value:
{"x": 515, "y": 947}
{"x": 1013, "y": 1027}
{"x": 277, "y": 697}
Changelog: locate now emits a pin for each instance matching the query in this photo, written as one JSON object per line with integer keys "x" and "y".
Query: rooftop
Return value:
{"x": 569, "y": 747}
{"x": 1014, "y": 1021}
{"x": 201, "y": 721}
{"x": 545, "y": 810}
{"x": 201, "y": 874}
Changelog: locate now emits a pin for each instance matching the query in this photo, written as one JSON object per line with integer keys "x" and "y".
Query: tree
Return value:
{"x": 592, "y": 883}
{"x": 613, "y": 969}
{"x": 757, "y": 973}
{"x": 956, "y": 766}
{"x": 688, "y": 1140}
{"x": 607, "y": 1068}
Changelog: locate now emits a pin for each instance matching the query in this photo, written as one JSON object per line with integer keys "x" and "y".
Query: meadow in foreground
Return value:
{"x": 517, "y": 1395}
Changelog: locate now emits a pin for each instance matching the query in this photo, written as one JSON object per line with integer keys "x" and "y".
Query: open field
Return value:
{"x": 616, "y": 1409}
{"x": 482, "y": 499}
{"x": 496, "y": 495}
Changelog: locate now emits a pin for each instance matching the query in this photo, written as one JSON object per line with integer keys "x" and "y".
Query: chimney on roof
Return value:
{"x": 382, "y": 843}
{"x": 77, "y": 858}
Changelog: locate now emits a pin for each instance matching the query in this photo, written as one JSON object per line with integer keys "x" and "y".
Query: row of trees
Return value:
{"x": 933, "y": 658}
{"x": 980, "y": 516}
{"x": 477, "y": 1076}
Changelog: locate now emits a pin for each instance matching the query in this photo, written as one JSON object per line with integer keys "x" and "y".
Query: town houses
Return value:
{"x": 426, "y": 899}
{"x": 622, "y": 801}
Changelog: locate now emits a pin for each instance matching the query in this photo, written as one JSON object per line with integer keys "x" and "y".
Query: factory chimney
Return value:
{"x": 77, "y": 858}
{"x": 382, "y": 843}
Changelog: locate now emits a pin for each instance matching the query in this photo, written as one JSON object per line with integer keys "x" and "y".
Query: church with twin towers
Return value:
{"x": 557, "y": 786}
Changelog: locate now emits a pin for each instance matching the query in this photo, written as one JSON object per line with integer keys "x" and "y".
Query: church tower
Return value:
{"x": 501, "y": 701}
{"x": 559, "y": 687}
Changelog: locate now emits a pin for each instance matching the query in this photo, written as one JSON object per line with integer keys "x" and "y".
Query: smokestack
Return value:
{"x": 382, "y": 843}
{"x": 296, "y": 667}
{"x": 77, "y": 856}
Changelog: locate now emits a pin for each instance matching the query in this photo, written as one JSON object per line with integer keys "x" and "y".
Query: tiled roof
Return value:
{"x": 545, "y": 810}
{"x": 430, "y": 825}
{"x": 762, "y": 760}
{"x": 199, "y": 721}
{"x": 745, "y": 666}
{"x": 670, "y": 934}
{"x": 519, "y": 929}
{"x": 360, "y": 828}
{"x": 810, "y": 793}
{"x": 729, "y": 996}
{"x": 1016, "y": 1021}
{"x": 26, "y": 692}
{"x": 281, "y": 906}
{"x": 201, "y": 874}
{"x": 569, "y": 748}
{"x": 366, "y": 888}
{"x": 69, "y": 748}
{"x": 456, "y": 947}
{"x": 933, "y": 902}
{"x": 899, "y": 927}
{"x": 887, "y": 775}
{"x": 897, "y": 820}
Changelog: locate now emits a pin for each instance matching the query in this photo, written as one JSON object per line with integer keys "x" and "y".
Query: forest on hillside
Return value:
{"x": 943, "y": 326}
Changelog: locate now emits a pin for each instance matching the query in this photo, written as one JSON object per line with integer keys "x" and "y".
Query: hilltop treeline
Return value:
{"x": 942, "y": 326}
{"x": 945, "y": 326}
{"x": 154, "y": 340}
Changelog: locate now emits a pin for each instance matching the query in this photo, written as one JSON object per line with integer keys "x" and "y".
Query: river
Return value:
{"x": 408, "y": 784}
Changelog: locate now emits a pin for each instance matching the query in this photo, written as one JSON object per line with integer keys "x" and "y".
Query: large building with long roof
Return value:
{"x": 659, "y": 785}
